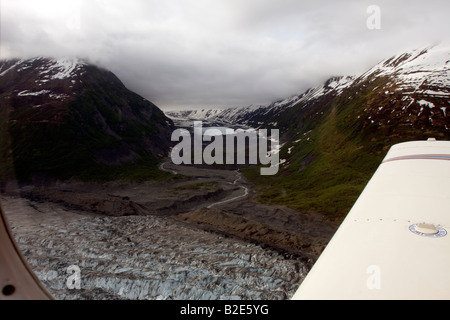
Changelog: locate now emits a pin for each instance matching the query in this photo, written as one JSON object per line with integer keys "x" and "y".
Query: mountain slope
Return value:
{"x": 415, "y": 81}
{"x": 258, "y": 116}
{"x": 335, "y": 135}
{"x": 64, "y": 118}
{"x": 334, "y": 143}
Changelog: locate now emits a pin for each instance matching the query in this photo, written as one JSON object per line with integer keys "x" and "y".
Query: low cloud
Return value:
{"x": 204, "y": 53}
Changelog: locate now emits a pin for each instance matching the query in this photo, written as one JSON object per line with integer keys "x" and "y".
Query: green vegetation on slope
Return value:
{"x": 326, "y": 174}
{"x": 56, "y": 151}
{"x": 328, "y": 167}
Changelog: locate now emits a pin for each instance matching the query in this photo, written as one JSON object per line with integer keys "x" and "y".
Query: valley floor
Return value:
{"x": 202, "y": 236}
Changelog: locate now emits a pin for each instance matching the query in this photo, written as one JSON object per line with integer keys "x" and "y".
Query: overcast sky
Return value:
{"x": 221, "y": 53}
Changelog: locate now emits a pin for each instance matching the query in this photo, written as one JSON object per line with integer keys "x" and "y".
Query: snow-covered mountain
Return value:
{"x": 417, "y": 71}
{"x": 334, "y": 139}
{"x": 335, "y": 135}
{"x": 416, "y": 83}
{"x": 248, "y": 116}
{"x": 48, "y": 68}
{"x": 413, "y": 90}
{"x": 45, "y": 73}
{"x": 195, "y": 114}
{"x": 66, "y": 115}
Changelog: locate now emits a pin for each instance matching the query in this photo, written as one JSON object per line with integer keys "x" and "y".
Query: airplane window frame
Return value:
{"x": 17, "y": 280}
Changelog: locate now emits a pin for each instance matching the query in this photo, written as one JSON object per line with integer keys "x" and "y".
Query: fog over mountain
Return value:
{"x": 220, "y": 53}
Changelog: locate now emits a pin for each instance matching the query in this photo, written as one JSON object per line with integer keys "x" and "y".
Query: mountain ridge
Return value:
{"x": 393, "y": 66}
{"x": 335, "y": 135}
{"x": 337, "y": 142}
{"x": 65, "y": 117}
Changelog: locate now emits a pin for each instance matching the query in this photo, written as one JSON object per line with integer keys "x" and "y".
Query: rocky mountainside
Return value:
{"x": 334, "y": 142}
{"x": 257, "y": 116}
{"x": 66, "y": 117}
{"x": 335, "y": 135}
{"x": 417, "y": 82}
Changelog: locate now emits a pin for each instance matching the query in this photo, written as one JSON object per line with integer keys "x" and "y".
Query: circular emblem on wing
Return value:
{"x": 428, "y": 230}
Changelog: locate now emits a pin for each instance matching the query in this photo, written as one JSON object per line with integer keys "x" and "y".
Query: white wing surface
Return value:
{"x": 394, "y": 243}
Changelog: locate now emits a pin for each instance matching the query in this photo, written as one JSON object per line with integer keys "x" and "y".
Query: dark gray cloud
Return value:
{"x": 220, "y": 52}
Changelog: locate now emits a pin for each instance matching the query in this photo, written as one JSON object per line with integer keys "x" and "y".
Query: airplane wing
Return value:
{"x": 394, "y": 243}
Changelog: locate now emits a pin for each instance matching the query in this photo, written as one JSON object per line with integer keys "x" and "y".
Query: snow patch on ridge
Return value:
{"x": 65, "y": 67}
